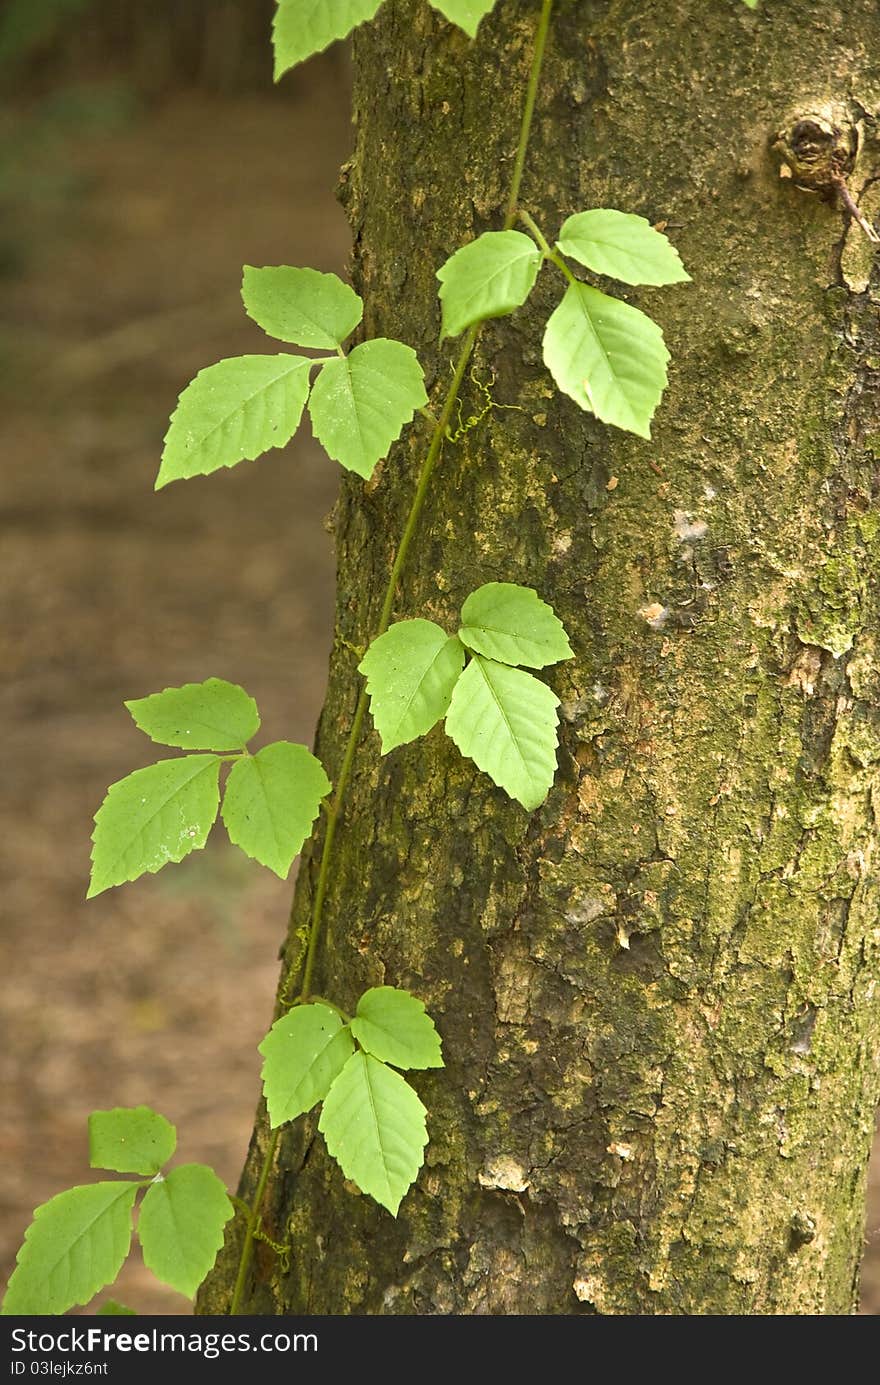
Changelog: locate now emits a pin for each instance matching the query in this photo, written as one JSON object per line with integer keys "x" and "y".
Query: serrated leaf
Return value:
{"x": 513, "y": 625}
{"x": 465, "y": 13}
{"x": 234, "y": 411}
{"x": 180, "y": 1226}
{"x": 393, "y": 1026}
{"x": 74, "y": 1246}
{"x": 303, "y": 27}
{"x": 505, "y": 721}
{"x": 623, "y": 246}
{"x": 374, "y": 1125}
{"x": 214, "y": 715}
{"x": 360, "y": 403}
{"x": 112, "y": 1309}
{"x": 271, "y": 800}
{"x": 410, "y": 672}
{"x": 487, "y": 278}
{"x": 304, "y": 1052}
{"x": 130, "y": 1139}
{"x": 155, "y": 815}
{"x": 302, "y": 306}
{"x": 609, "y": 357}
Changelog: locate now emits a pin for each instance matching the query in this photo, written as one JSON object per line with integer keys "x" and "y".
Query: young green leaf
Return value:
{"x": 608, "y": 357}
{"x": 232, "y": 411}
{"x": 393, "y": 1026}
{"x": 180, "y": 1225}
{"x": 271, "y": 800}
{"x": 374, "y": 1125}
{"x": 410, "y": 672}
{"x": 130, "y": 1139}
{"x": 155, "y": 815}
{"x": 623, "y": 246}
{"x": 302, "y": 306}
{"x": 487, "y": 278}
{"x": 505, "y": 721}
{"x": 304, "y": 1053}
{"x": 214, "y": 715}
{"x": 112, "y": 1309}
{"x": 513, "y": 625}
{"x": 360, "y": 403}
{"x": 465, "y": 13}
{"x": 304, "y": 27}
{"x": 74, "y": 1246}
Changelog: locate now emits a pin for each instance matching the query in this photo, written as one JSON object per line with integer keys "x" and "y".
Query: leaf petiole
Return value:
{"x": 546, "y": 249}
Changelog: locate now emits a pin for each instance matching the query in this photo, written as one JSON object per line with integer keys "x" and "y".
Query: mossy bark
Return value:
{"x": 657, "y": 994}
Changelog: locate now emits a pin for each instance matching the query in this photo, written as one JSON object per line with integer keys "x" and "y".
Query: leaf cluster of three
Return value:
{"x": 499, "y": 716}
{"x": 78, "y": 1240}
{"x": 163, "y": 812}
{"x": 371, "y": 1119}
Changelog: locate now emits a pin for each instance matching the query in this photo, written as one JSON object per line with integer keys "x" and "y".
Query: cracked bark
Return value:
{"x": 657, "y": 994}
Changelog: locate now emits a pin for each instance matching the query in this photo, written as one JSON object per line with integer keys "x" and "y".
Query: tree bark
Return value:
{"x": 657, "y": 994}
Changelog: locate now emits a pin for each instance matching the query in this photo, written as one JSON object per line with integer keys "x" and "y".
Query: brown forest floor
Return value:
{"x": 122, "y": 274}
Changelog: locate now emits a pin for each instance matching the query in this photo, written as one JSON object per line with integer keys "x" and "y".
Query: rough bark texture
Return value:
{"x": 656, "y": 994}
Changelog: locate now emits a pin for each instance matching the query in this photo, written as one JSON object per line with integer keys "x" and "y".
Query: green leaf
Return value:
{"x": 410, "y": 672}
{"x": 214, "y": 715}
{"x": 74, "y": 1246}
{"x": 608, "y": 357}
{"x": 112, "y": 1309}
{"x": 302, "y": 306}
{"x": 505, "y": 721}
{"x": 360, "y": 403}
{"x": 374, "y": 1125}
{"x": 155, "y": 815}
{"x": 180, "y": 1226}
{"x": 130, "y": 1139}
{"x": 232, "y": 411}
{"x": 487, "y": 278}
{"x": 392, "y": 1025}
{"x": 271, "y": 800}
{"x": 465, "y": 13}
{"x": 513, "y": 625}
{"x": 304, "y": 27}
{"x": 304, "y": 1052}
{"x": 752, "y": 4}
{"x": 622, "y": 246}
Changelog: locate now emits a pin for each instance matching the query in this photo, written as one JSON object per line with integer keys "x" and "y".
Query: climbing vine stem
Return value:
{"x": 528, "y": 112}
{"x": 435, "y": 448}
{"x": 546, "y": 249}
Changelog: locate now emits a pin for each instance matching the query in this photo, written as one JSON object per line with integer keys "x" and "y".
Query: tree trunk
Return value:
{"x": 657, "y": 993}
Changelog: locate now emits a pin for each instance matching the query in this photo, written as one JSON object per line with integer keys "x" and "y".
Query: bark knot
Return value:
{"x": 817, "y": 152}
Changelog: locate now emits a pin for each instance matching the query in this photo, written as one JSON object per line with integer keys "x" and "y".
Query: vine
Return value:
{"x": 610, "y": 359}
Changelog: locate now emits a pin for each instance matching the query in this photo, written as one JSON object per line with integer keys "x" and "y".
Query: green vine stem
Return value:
{"x": 253, "y": 1225}
{"x": 546, "y": 249}
{"x": 412, "y": 520}
{"x": 528, "y": 112}
{"x": 435, "y": 448}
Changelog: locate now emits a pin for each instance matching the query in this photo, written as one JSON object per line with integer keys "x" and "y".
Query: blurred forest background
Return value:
{"x": 145, "y": 156}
